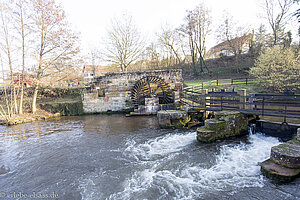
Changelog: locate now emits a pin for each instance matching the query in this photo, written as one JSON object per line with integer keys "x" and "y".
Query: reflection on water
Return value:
{"x": 25, "y": 131}
{"x": 114, "y": 157}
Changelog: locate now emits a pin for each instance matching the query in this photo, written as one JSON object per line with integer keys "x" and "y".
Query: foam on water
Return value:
{"x": 236, "y": 167}
{"x": 159, "y": 146}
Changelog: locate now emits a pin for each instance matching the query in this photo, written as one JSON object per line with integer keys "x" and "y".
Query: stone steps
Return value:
{"x": 284, "y": 162}
{"x": 278, "y": 172}
{"x": 286, "y": 154}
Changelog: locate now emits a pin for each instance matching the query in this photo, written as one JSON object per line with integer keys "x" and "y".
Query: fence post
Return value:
{"x": 221, "y": 103}
{"x": 231, "y": 81}
{"x": 263, "y": 107}
{"x": 205, "y": 92}
{"x": 217, "y": 82}
{"x": 206, "y": 99}
{"x": 242, "y": 94}
{"x": 251, "y": 101}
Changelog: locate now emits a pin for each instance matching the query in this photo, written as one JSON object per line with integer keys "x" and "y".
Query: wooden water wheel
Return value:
{"x": 151, "y": 87}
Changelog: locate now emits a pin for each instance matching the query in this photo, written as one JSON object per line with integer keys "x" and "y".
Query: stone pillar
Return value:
{"x": 151, "y": 105}
{"x": 298, "y": 134}
{"x": 242, "y": 93}
{"x": 206, "y": 105}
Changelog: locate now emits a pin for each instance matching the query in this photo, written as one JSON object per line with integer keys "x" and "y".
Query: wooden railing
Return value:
{"x": 278, "y": 105}
{"x": 220, "y": 82}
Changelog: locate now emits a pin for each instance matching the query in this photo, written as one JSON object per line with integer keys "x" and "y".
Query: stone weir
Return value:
{"x": 143, "y": 92}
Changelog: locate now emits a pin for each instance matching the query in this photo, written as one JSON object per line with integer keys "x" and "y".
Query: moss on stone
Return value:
{"x": 65, "y": 109}
{"x": 226, "y": 124}
{"x": 181, "y": 122}
{"x": 278, "y": 172}
{"x": 173, "y": 118}
{"x": 205, "y": 135}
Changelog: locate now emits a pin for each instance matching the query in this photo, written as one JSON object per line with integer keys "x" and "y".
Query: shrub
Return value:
{"x": 278, "y": 69}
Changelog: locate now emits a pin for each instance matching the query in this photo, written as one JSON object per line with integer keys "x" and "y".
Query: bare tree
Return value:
{"x": 296, "y": 14}
{"x": 6, "y": 22}
{"x": 231, "y": 36}
{"x": 21, "y": 27}
{"x": 124, "y": 44}
{"x": 196, "y": 28}
{"x": 94, "y": 56}
{"x": 152, "y": 55}
{"x": 56, "y": 44}
{"x": 168, "y": 39}
{"x": 277, "y": 14}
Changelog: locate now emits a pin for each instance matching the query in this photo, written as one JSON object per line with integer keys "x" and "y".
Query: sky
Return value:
{"x": 92, "y": 17}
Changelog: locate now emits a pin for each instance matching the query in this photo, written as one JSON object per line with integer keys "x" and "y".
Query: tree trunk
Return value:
{"x": 34, "y": 98}
{"x": 21, "y": 99}
{"x": 23, "y": 62}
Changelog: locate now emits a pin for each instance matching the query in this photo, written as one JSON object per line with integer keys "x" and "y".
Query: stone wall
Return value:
{"x": 112, "y": 91}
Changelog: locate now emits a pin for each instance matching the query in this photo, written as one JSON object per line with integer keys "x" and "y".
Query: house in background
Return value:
{"x": 92, "y": 71}
{"x": 239, "y": 44}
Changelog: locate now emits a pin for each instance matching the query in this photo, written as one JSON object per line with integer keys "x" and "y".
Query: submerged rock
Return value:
{"x": 4, "y": 170}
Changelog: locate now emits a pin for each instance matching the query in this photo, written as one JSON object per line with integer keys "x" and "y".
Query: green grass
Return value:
{"x": 61, "y": 100}
{"x": 251, "y": 87}
{"x": 221, "y": 82}
{"x": 193, "y": 83}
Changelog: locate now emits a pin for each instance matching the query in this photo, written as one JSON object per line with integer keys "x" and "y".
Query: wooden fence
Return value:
{"x": 285, "y": 105}
{"x": 221, "y": 82}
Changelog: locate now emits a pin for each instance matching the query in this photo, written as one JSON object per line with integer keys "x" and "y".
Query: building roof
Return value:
{"x": 238, "y": 41}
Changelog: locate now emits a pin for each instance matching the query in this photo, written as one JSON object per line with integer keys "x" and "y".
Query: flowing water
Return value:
{"x": 114, "y": 157}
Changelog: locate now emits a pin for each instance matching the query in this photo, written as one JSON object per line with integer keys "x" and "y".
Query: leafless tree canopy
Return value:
{"x": 232, "y": 34}
{"x": 37, "y": 31}
{"x": 196, "y": 28}
{"x": 124, "y": 44}
{"x": 277, "y": 14}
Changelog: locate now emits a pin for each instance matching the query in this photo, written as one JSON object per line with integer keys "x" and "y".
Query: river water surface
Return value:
{"x": 114, "y": 157}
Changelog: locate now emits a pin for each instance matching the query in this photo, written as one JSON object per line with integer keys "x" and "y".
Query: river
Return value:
{"x": 115, "y": 157}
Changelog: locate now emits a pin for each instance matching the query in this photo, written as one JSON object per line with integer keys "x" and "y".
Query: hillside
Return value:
{"x": 220, "y": 68}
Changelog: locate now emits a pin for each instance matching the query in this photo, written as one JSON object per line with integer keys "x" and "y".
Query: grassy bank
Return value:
{"x": 66, "y": 106}
{"x": 252, "y": 86}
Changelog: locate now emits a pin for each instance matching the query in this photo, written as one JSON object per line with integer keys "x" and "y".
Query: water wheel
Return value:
{"x": 151, "y": 87}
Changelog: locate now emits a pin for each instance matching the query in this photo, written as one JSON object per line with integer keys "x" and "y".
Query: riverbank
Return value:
{"x": 51, "y": 102}
{"x": 28, "y": 117}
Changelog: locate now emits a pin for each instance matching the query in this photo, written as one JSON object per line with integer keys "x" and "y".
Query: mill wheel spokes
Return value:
{"x": 151, "y": 87}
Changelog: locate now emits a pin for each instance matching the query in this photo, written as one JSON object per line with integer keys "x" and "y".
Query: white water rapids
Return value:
{"x": 233, "y": 166}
